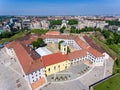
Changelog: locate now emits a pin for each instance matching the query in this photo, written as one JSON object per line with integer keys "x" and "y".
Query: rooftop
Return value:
{"x": 42, "y": 51}
{"x": 77, "y": 54}
{"x": 53, "y": 33}
{"x": 32, "y": 61}
{"x": 29, "y": 65}
{"x": 93, "y": 44}
{"x": 54, "y": 58}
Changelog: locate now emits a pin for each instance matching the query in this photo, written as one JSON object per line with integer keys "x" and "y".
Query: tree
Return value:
{"x": 35, "y": 44}
{"x": 40, "y": 41}
{"x": 55, "y": 22}
{"x": 110, "y": 41}
{"x": 68, "y": 50}
{"x": 72, "y": 22}
{"x": 73, "y": 27}
{"x": 7, "y": 34}
{"x": 116, "y": 38}
{"x": 106, "y": 34}
{"x": 62, "y": 29}
{"x": 115, "y": 22}
{"x": 59, "y": 44}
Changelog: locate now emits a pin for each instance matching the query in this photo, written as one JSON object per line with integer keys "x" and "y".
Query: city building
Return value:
{"x": 36, "y": 25}
{"x": 45, "y": 24}
{"x": 26, "y": 23}
{"x": 90, "y": 23}
{"x": 64, "y": 23}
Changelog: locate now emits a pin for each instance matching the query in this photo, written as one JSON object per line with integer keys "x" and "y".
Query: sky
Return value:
{"x": 59, "y": 7}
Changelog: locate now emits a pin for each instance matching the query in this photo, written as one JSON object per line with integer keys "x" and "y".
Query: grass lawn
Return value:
{"x": 16, "y": 36}
{"x": 110, "y": 84}
{"x": 106, "y": 48}
{"x": 22, "y": 34}
{"x": 116, "y": 68}
{"x": 115, "y": 47}
{"x": 37, "y": 31}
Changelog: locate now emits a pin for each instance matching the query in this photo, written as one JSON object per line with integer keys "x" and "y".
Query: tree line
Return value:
{"x": 115, "y": 22}
{"x": 86, "y": 29}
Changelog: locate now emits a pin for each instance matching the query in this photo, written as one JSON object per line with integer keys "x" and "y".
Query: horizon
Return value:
{"x": 59, "y": 8}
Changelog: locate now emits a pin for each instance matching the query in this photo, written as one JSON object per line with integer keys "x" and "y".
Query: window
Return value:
{"x": 64, "y": 49}
{"x": 59, "y": 66}
{"x": 65, "y": 67}
{"x": 54, "y": 67}
{"x": 36, "y": 79}
{"x": 49, "y": 69}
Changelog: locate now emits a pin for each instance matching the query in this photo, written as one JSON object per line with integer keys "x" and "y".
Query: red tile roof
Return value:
{"x": 76, "y": 38}
{"x": 94, "y": 52}
{"x": 53, "y": 33}
{"x": 81, "y": 43}
{"x": 37, "y": 84}
{"x": 59, "y": 36}
{"x": 93, "y": 44}
{"x": 28, "y": 64}
{"x": 77, "y": 54}
{"x": 31, "y": 62}
{"x": 54, "y": 59}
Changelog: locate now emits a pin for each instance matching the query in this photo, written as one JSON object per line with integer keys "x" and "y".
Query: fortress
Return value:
{"x": 40, "y": 63}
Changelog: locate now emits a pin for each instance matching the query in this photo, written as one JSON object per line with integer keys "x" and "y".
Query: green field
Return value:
{"x": 16, "y": 36}
{"x": 109, "y": 50}
{"x": 110, "y": 84}
{"x": 115, "y": 48}
{"x": 22, "y": 34}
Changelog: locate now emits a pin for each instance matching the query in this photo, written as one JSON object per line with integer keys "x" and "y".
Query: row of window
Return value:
{"x": 36, "y": 79}
{"x": 37, "y": 72}
{"x": 49, "y": 69}
{"x": 68, "y": 42}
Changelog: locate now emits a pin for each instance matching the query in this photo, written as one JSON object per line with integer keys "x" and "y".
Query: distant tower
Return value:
{"x": 64, "y": 48}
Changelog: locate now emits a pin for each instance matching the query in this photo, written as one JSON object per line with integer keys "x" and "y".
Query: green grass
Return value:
{"x": 106, "y": 48}
{"x": 16, "y": 36}
{"x": 110, "y": 84}
{"x": 22, "y": 34}
{"x": 38, "y": 31}
{"x": 115, "y": 47}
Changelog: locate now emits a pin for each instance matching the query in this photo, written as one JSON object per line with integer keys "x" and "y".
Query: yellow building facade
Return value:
{"x": 49, "y": 70}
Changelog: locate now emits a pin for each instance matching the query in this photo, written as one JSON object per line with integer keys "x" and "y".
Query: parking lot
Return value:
{"x": 11, "y": 75}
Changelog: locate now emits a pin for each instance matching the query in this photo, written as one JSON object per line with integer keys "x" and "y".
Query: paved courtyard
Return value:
{"x": 73, "y": 72}
{"x": 54, "y": 47}
{"x": 84, "y": 81}
{"x": 72, "y": 85}
{"x": 11, "y": 76}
